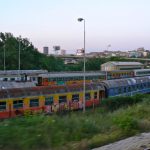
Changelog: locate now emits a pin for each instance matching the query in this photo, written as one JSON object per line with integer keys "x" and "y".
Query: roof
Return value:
{"x": 125, "y": 82}
{"x": 16, "y": 72}
{"x": 119, "y": 63}
{"x": 71, "y": 74}
{"x": 46, "y": 90}
{"x": 13, "y": 84}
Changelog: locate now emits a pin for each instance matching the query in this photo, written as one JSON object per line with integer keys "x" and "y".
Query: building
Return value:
{"x": 80, "y": 52}
{"x": 63, "y": 52}
{"x": 114, "y": 65}
{"x": 45, "y": 50}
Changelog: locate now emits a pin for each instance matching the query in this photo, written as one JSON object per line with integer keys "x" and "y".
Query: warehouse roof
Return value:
{"x": 119, "y": 63}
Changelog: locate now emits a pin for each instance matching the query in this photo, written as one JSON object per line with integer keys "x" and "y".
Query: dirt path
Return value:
{"x": 139, "y": 142}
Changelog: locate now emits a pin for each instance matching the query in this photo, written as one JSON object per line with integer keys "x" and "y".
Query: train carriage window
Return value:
{"x": 95, "y": 95}
{"x": 34, "y": 102}
{"x": 134, "y": 88}
{"x": 87, "y": 96}
{"x": 62, "y": 99}
{"x": 2, "y": 106}
{"x": 138, "y": 86}
{"x": 18, "y": 104}
{"x": 54, "y": 79}
{"x": 49, "y": 100}
{"x": 119, "y": 91}
{"x": 125, "y": 89}
{"x": 129, "y": 89}
{"x": 33, "y": 78}
{"x": 5, "y": 79}
{"x": 65, "y": 79}
{"x": 75, "y": 97}
{"x": 144, "y": 84}
{"x": 12, "y": 79}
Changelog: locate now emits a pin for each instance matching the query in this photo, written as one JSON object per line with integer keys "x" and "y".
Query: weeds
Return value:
{"x": 76, "y": 130}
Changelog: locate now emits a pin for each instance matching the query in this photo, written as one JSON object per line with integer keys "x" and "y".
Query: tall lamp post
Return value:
{"x": 4, "y": 57}
{"x": 80, "y": 20}
{"x": 19, "y": 56}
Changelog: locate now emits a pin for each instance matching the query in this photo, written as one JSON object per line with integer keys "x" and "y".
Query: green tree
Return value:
{"x": 31, "y": 58}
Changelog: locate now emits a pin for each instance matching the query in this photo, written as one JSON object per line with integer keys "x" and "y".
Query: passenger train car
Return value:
{"x": 141, "y": 72}
{"x": 15, "y": 102}
{"x": 68, "y": 78}
{"x": 21, "y": 75}
{"x": 43, "y": 78}
{"x": 127, "y": 87}
{"x": 119, "y": 74}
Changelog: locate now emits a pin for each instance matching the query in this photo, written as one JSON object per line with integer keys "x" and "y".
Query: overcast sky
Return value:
{"x": 125, "y": 24}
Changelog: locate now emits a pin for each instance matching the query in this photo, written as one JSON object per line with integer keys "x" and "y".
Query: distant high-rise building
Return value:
{"x": 45, "y": 50}
{"x": 56, "y": 49}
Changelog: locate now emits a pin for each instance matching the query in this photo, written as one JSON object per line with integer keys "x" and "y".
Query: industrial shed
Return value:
{"x": 116, "y": 65}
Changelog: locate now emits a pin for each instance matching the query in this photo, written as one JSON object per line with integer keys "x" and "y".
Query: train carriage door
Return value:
{"x": 75, "y": 101}
{"x": 101, "y": 95}
{"x": 62, "y": 102}
{"x": 10, "y": 110}
{"x": 39, "y": 80}
{"x": 48, "y": 104}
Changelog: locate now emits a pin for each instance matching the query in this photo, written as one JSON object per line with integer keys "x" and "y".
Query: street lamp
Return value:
{"x": 19, "y": 56}
{"x": 4, "y": 57}
{"x": 80, "y": 20}
{"x": 109, "y": 45}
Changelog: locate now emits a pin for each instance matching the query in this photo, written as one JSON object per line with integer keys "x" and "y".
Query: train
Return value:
{"x": 49, "y": 99}
{"x": 68, "y": 78}
{"x": 21, "y": 75}
{"x": 45, "y": 78}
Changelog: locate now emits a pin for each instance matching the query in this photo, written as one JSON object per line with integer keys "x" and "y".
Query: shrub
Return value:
{"x": 126, "y": 123}
{"x": 144, "y": 125}
{"x": 114, "y": 103}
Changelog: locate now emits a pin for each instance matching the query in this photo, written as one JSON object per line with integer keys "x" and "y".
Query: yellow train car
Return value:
{"x": 15, "y": 102}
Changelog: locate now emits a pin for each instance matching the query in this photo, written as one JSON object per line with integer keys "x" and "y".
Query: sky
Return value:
{"x": 125, "y": 24}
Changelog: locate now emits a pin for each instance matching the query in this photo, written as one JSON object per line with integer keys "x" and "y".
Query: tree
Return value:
{"x": 31, "y": 58}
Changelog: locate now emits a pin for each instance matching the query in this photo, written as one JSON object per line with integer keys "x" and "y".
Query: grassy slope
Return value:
{"x": 75, "y": 130}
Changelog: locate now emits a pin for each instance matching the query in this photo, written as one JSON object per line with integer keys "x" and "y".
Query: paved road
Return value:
{"x": 140, "y": 142}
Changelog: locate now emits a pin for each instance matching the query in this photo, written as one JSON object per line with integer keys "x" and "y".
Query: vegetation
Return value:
{"x": 31, "y": 58}
{"x": 76, "y": 130}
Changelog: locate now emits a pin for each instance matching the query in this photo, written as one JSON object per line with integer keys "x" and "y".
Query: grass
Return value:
{"x": 75, "y": 130}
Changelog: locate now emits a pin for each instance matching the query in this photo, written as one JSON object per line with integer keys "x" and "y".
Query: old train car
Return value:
{"x": 21, "y": 75}
{"x": 69, "y": 78}
{"x": 127, "y": 87}
{"x": 15, "y": 102}
{"x": 119, "y": 74}
{"x": 141, "y": 72}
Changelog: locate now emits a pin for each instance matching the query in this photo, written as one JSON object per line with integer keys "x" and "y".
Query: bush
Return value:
{"x": 144, "y": 125}
{"x": 126, "y": 123}
{"x": 114, "y": 103}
